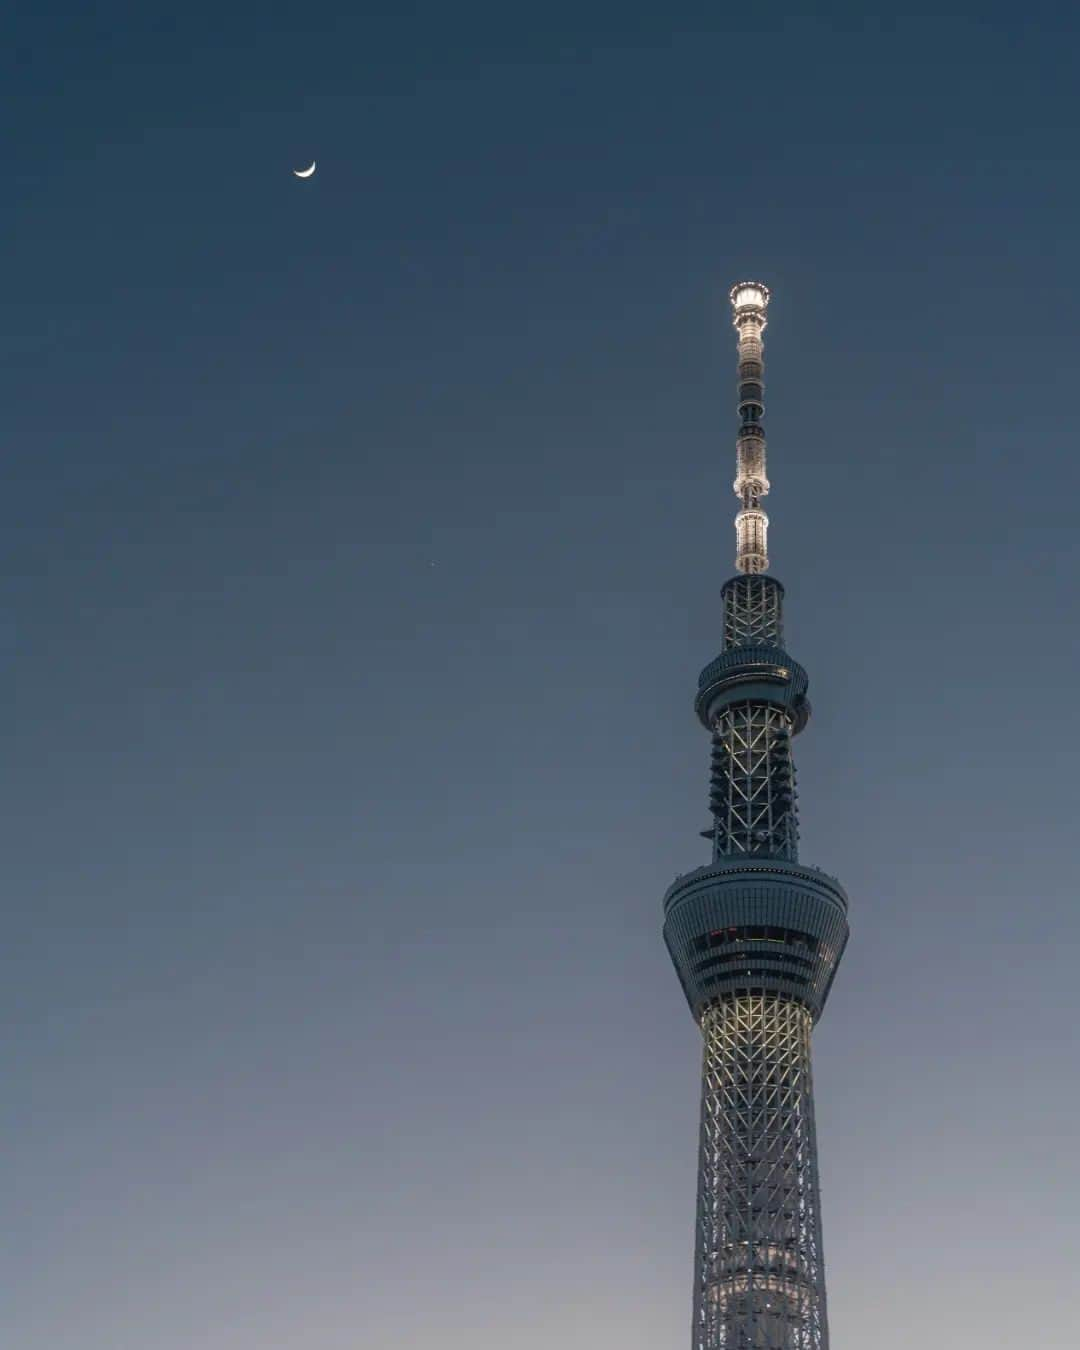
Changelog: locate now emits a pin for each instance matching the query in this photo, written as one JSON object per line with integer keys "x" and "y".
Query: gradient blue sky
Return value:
{"x": 361, "y": 545}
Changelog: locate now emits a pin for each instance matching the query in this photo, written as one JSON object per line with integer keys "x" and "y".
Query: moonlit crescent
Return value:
{"x": 305, "y": 173}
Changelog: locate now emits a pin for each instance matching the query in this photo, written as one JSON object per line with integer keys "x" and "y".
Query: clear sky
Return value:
{"x": 362, "y": 540}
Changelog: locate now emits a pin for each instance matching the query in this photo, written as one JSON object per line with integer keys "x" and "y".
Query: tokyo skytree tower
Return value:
{"x": 756, "y": 937}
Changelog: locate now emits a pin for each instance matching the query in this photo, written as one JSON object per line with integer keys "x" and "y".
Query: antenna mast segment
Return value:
{"x": 749, "y": 300}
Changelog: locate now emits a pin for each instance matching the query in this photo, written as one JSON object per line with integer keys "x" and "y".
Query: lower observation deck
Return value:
{"x": 755, "y": 925}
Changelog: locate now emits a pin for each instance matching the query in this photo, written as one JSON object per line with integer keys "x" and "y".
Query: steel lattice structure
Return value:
{"x": 753, "y": 781}
{"x": 756, "y": 938}
{"x": 753, "y": 612}
{"x": 758, "y": 1278}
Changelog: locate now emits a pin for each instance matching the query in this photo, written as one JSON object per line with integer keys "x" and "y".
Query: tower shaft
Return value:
{"x": 756, "y": 938}
{"x": 758, "y": 1277}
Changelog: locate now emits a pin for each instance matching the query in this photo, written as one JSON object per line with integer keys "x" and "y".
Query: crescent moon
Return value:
{"x": 305, "y": 173}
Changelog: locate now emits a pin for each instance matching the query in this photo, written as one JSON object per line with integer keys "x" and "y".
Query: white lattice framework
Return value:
{"x": 759, "y": 1282}
{"x": 752, "y": 793}
{"x": 753, "y": 613}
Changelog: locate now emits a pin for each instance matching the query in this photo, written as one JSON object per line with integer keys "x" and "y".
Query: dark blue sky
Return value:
{"x": 361, "y": 546}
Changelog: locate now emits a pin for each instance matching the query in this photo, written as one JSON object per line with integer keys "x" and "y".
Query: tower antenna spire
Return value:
{"x": 749, "y": 301}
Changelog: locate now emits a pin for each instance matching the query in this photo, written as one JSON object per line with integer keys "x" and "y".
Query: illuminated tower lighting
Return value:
{"x": 756, "y": 937}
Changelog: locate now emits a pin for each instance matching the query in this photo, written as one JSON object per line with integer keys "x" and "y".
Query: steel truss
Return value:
{"x": 752, "y": 788}
{"x": 759, "y": 1281}
{"x": 753, "y": 612}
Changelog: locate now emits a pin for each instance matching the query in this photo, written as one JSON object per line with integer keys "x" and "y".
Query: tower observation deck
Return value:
{"x": 756, "y": 937}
